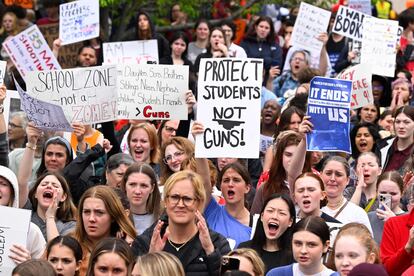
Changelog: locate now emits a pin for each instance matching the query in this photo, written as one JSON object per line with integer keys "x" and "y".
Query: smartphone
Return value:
{"x": 229, "y": 263}
{"x": 385, "y": 199}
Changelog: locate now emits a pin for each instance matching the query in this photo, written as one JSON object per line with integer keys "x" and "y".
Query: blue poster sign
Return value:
{"x": 329, "y": 106}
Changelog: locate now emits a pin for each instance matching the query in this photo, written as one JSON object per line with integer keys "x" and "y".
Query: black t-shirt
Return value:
{"x": 334, "y": 49}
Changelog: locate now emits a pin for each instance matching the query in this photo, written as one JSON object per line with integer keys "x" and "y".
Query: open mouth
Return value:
{"x": 306, "y": 203}
{"x": 230, "y": 194}
{"x": 48, "y": 194}
{"x": 273, "y": 227}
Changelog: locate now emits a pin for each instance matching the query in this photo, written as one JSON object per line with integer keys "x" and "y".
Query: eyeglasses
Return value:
{"x": 175, "y": 199}
{"x": 170, "y": 129}
{"x": 174, "y": 156}
{"x": 12, "y": 125}
{"x": 298, "y": 59}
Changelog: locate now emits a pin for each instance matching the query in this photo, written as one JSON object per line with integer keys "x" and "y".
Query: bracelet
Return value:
{"x": 31, "y": 146}
{"x": 51, "y": 217}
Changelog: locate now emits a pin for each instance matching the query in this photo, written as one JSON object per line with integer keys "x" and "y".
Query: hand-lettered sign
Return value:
{"x": 29, "y": 52}
{"x": 136, "y": 52}
{"x": 152, "y": 92}
{"x": 78, "y": 21}
{"x": 349, "y": 23}
{"x": 229, "y": 92}
{"x": 360, "y": 5}
{"x": 87, "y": 95}
{"x": 361, "y": 76}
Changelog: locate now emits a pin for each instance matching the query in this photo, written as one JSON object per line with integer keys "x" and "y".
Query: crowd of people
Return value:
{"x": 129, "y": 197}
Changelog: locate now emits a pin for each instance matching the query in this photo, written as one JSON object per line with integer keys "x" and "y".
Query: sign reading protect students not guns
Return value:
{"x": 229, "y": 92}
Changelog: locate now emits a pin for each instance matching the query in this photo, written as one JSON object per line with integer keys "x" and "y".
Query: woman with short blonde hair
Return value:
{"x": 158, "y": 264}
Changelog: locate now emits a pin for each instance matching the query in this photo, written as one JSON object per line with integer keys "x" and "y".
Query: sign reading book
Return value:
{"x": 329, "y": 108}
{"x": 349, "y": 23}
{"x": 229, "y": 92}
{"x": 152, "y": 92}
{"x": 29, "y": 52}
{"x": 87, "y": 95}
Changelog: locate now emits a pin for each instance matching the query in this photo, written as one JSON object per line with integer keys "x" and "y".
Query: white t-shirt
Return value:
{"x": 351, "y": 213}
{"x": 325, "y": 272}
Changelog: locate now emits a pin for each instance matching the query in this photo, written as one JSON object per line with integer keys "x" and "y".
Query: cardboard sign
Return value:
{"x": 152, "y": 92}
{"x": 361, "y": 77}
{"x": 363, "y": 6}
{"x": 349, "y": 23}
{"x": 78, "y": 21}
{"x": 136, "y": 52}
{"x": 379, "y": 45}
{"x": 68, "y": 54}
{"x": 310, "y": 23}
{"x": 14, "y": 228}
{"x": 329, "y": 109}
{"x": 46, "y": 116}
{"x": 87, "y": 95}
{"x": 229, "y": 92}
{"x": 29, "y": 52}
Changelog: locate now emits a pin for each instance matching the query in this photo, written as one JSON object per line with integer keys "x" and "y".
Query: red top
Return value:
{"x": 393, "y": 255}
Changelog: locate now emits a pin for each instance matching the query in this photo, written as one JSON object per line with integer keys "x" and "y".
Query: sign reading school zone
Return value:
{"x": 152, "y": 92}
{"x": 87, "y": 95}
{"x": 229, "y": 108}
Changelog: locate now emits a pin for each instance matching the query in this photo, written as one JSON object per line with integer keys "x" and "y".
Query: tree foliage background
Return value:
{"x": 122, "y": 12}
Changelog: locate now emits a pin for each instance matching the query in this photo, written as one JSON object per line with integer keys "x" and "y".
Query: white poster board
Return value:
{"x": 310, "y": 23}
{"x": 361, "y": 5}
{"x": 350, "y": 23}
{"x": 229, "y": 92}
{"x": 29, "y": 52}
{"x": 11, "y": 104}
{"x": 87, "y": 95}
{"x": 152, "y": 92}
{"x": 361, "y": 77}
{"x": 78, "y": 21}
{"x": 136, "y": 52}
{"x": 14, "y": 228}
{"x": 379, "y": 45}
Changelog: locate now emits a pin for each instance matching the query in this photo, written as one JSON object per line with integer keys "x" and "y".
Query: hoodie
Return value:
{"x": 36, "y": 244}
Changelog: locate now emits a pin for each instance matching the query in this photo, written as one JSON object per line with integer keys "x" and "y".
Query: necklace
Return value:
{"x": 336, "y": 205}
{"x": 177, "y": 248}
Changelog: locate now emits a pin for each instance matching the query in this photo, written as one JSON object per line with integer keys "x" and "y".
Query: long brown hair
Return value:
{"x": 67, "y": 210}
{"x": 277, "y": 174}
{"x": 152, "y": 137}
{"x": 113, "y": 205}
{"x": 153, "y": 204}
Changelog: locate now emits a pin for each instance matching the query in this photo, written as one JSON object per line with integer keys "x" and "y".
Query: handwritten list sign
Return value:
{"x": 379, "y": 45}
{"x": 229, "y": 107}
{"x": 361, "y": 76}
{"x": 46, "y": 116}
{"x": 14, "y": 228}
{"x": 87, "y": 95}
{"x": 152, "y": 92}
{"x": 29, "y": 52}
{"x": 137, "y": 52}
{"x": 78, "y": 21}
{"x": 310, "y": 23}
{"x": 360, "y": 5}
{"x": 349, "y": 23}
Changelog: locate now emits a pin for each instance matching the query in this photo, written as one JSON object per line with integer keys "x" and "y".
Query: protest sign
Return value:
{"x": 349, "y": 23}
{"x": 45, "y": 116}
{"x": 14, "y": 228}
{"x": 360, "y": 75}
{"x": 78, "y": 21}
{"x": 27, "y": 4}
{"x": 229, "y": 93}
{"x": 152, "y": 92}
{"x": 310, "y": 23}
{"x": 329, "y": 109}
{"x": 87, "y": 95}
{"x": 11, "y": 104}
{"x": 137, "y": 52}
{"x": 379, "y": 45}
{"x": 2, "y": 70}
{"x": 29, "y": 52}
{"x": 363, "y": 6}
{"x": 68, "y": 54}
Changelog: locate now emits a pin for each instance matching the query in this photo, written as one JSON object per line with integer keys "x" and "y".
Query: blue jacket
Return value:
{"x": 270, "y": 53}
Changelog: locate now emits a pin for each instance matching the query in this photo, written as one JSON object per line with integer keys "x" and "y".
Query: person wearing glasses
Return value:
{"x": 185, "y": 233}
{"x": 167, "y": 130}
{"x": 173, "y": 153}
{"x": 16, "y": 130}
